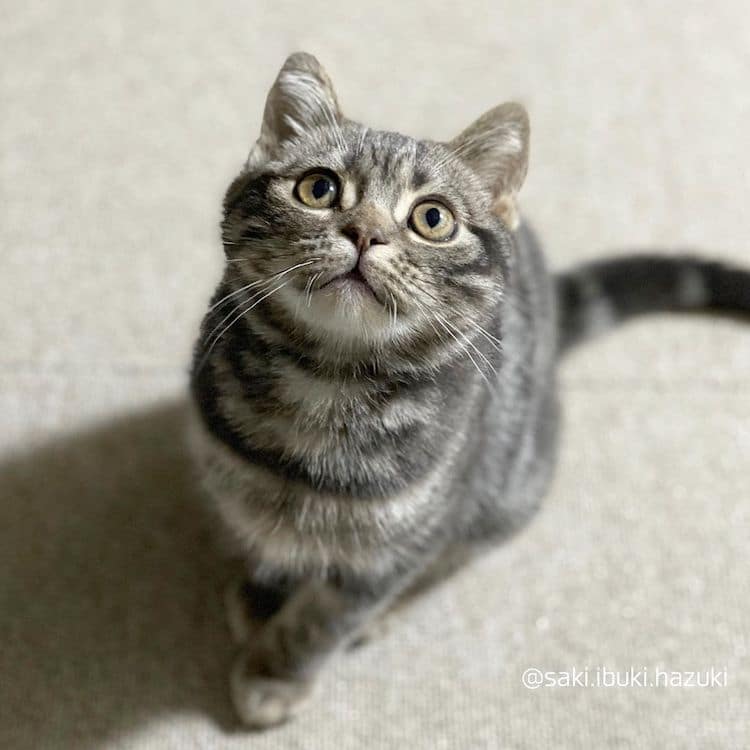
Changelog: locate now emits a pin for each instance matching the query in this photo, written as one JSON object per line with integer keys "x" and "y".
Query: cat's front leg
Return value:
{"x": 276, "y": 671}
{"x": 249, "y": 605}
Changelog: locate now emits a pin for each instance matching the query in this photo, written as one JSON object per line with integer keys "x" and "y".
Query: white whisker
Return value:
{"x": 465, "y": 350}
{"x": 470, "y": 343}
{"x": 361, "y": 144}
{"x": 268, "y": 280}
{"x": 311, "y": 283}
{"x": 233, "y": 321}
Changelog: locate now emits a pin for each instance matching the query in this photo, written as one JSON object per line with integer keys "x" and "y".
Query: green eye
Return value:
{"x": 317, "y": 190}
{"x": 433, "y": 221}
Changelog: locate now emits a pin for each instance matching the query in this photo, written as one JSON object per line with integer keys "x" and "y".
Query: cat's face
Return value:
{"x": 366, "y": 237}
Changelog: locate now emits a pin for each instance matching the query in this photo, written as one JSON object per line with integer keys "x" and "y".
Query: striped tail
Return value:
{"x": 597, "y": 296}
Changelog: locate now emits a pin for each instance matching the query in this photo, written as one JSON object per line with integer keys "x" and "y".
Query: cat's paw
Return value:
{"x": 374, "y": 630}
{"x": 262, "y": 701}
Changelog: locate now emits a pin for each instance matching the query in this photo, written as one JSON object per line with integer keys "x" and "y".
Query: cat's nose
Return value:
{"x": 363, "y": 238}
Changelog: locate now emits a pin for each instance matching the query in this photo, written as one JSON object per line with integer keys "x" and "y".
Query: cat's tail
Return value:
{"x": 597, "y": 296}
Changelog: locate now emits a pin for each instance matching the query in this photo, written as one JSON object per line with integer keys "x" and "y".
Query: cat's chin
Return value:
{"x": 351, "y": 288}
{"x": 346, "y": 309}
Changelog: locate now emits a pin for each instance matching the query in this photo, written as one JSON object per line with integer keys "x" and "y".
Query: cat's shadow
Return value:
{"x": 110, "y": 611}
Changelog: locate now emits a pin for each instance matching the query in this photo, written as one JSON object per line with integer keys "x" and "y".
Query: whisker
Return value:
{"x": 234, "y": 309}
{"x": 270, "y": 279}
{"x": 236, "y": 292}
{"x": 237, "y": 307}
{"x": 466, "y": 341}
{"x": 494, "y": 342}
{"x": 308, "y": 291}
{"x": 244, "y": 312}
{"x": 463, "y": 349}
{"x": 394, "y": 309}
{"x": 361, "y": 144}
{"x": 312, "y": 283}
{"x": 470, "y": 343}
{"x": 466, "y": 351}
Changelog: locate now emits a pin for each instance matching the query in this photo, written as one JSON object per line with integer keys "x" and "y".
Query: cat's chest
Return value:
{"x": 323, "y": 408}
{"x": 330, "y": 421}
{"x": 288, "y": 526}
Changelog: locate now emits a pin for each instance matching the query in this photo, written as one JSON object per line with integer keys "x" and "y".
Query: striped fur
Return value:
{"x": 359, "y": 447}
{"x": 594, "y": 297}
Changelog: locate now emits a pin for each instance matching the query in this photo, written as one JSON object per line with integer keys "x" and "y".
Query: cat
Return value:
{"x": 374, "y": 382}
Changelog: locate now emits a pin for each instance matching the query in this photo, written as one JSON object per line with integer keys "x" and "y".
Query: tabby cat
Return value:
{"x": 374, "y": 381}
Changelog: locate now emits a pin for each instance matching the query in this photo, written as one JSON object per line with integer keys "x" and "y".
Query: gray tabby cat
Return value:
{"x": 375, "y": 379}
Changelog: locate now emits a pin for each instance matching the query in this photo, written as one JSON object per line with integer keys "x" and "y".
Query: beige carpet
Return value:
{"x": 121, "y": 124}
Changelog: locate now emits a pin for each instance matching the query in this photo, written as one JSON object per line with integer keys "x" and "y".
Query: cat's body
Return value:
{"x": 411, "y": 462}
{"x": 381, "y": 403}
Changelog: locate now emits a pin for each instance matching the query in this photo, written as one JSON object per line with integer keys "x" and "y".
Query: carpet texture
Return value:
{"x": 122, "y": 123}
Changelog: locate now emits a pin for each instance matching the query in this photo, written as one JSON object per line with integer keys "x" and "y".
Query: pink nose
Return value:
{"x": 363, "y": 238}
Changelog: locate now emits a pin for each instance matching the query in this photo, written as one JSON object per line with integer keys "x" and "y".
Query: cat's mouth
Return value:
{"x": 352, "y": 281}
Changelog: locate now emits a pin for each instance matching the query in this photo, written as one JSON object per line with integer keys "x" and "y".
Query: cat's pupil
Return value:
{"x": 432, "y": 217}
{"x": 320, "y": 188}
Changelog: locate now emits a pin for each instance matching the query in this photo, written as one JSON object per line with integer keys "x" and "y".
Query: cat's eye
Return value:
{"x": 317, "y": 190}
{"x": 433, "y": 221}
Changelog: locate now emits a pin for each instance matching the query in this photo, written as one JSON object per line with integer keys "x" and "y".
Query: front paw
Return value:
{"x": 261, "y": 700}
{"x": 373, "y": 630}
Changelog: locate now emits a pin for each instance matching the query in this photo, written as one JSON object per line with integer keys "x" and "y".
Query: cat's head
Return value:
{"x": 367, "y": 237}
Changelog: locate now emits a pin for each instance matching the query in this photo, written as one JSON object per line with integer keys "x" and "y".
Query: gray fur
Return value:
{"x": 595, "y": 296}
{"x": 359, "y": 449}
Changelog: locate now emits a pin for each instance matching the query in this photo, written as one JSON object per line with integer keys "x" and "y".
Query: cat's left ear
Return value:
{"x": 496, "y": 147}
{"x": 301, "y": 99}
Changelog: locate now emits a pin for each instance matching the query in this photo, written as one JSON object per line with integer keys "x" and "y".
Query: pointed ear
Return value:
{"x": 301, "y": 99}
{"x": 496, "y": 147}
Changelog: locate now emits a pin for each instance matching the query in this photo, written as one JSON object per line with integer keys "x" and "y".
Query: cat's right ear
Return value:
{"x": 496, "y": 147}
{"x": 302, "y": 98}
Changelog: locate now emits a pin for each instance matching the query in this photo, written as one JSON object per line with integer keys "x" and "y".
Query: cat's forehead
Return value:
{"x": 382, "y": 162}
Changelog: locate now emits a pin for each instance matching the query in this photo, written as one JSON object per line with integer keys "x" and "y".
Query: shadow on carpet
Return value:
{"x": 110, "y": 612}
